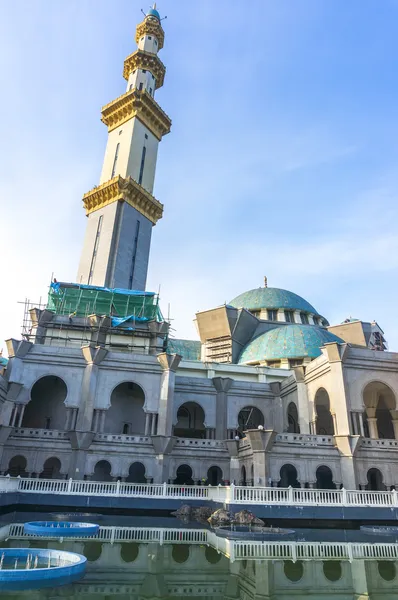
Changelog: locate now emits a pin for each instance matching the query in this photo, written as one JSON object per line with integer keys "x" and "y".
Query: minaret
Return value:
{"x": 121, "y": 211}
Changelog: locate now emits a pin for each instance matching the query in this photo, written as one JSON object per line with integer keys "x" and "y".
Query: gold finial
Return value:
{"x": 265, "y": 281}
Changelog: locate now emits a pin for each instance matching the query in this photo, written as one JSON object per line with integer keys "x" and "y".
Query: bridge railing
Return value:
{"x": 219, "y": 494}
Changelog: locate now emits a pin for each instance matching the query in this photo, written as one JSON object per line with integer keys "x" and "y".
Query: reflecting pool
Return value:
{"x": 137, "y": 557}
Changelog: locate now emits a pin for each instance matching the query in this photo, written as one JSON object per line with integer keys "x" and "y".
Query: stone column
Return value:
{"x": 93, "y": 357}
{"x": 373, "y": 431}
{"x": 395, "y": 425}
{"x": 82, "y": 434}
{"x": 169, "y": 364}
{"x": 147, "y": 423}
{"x": 261, "y": 442}
{"x": 222, "y": 386}
{"x": 102, "y": 420}
{"x": 303, "y": 406}
{"x": 337, "y": 354}
{"x": 361, "y": 427}
{"x": 279, "y": 423}
{"x": 21, "y": 414}
{"x": 234, "y": 466}
{"x": 359, "y": 580}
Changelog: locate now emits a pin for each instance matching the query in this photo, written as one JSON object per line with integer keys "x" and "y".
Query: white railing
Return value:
{"x": 221, "y": 494}
{"x": 234, "y": 549}
{"x": 113, "y": 534}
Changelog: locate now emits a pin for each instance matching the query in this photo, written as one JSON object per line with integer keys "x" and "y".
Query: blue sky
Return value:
{"x": 282, "y": 160}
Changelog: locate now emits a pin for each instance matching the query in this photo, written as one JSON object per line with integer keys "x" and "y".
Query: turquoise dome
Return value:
{"x": 266, "y": 297}
{"x": 152, "y": 12}
{"x": 290, "y": 341}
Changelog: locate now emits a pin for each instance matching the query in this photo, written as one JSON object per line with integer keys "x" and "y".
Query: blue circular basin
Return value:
{"x": 61, "y": 528}
{"x": 33, "y": 568}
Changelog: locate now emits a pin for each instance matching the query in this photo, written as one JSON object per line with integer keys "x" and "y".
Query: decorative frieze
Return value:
{"x": 150, "y": 27}
{"x": 148, "y": 61}
{"x": 140, "y": 104}
{"x": 127, "y": 190}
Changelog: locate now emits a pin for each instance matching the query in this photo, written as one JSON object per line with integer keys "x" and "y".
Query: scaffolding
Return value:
{"x": 123, "y": 306}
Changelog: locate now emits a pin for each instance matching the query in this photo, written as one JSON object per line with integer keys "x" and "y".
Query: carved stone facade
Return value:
{"x": 93, "y": 412}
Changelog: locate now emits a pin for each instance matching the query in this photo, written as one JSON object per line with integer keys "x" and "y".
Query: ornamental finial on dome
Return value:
{"x": 265, "y": 281}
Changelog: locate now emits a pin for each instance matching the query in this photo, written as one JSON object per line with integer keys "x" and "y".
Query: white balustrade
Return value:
{"x": 235, "y": 549}
{"x": 221, "y": 494}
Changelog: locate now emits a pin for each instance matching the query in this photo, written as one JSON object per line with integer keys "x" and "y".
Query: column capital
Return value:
{"x": 169, "y": 362}
{"x": 93, "y": 355}
{"x": 222, "y": 384}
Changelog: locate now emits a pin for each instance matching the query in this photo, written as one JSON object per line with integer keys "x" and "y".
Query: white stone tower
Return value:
{"x": 121, "y": 211}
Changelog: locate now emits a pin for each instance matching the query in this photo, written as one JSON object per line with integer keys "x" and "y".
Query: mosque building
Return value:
{"x": 270, "y": 394}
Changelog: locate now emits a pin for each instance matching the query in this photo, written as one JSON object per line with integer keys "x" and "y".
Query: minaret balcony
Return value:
{"x": 140, "y": 104}
{"x": 127, "y": 190}
{"x": 145, "y": 60}
{"x": 150, "y": 27}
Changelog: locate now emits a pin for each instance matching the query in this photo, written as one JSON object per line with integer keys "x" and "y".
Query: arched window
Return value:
{"x": 126, "y": 413}
{"x": 92, "y": 551}
{"x": 190, "y": 421}
{"x": 379, "y": 401}
{"x": 332, "y": 569}
{"x": 288, "y": 474}
{"x": 17, "y": 467}
{"x": 243, "y": 480}
{"x": 51, "y": 469}
{"x": 214, "y": 476}
{"x": 212, "y": 556}
{"x": 46, "y": 409}
{"x": 184, "y": 475}
{"x": 180, "y": 553}
{"x": 375, "y": 480}
{"x": 324, "y": 478}
{"x": 136, "y": 473}
{"x": 292, "y": 418}
{"x": 294, "y": 571}
{"x": 102, "y": 471}
{"x": 129, "y": 552}
{"x": 250, "y": 417}
{"x": 387, "y": 570}
{"x": 324, "y": 419}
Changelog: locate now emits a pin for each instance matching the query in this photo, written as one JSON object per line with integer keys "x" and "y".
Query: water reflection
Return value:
{"x": 144, "y": 562}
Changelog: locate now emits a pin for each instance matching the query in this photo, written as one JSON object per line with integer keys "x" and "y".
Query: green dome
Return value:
{"x": 153, "y": 13}
{"x": 266, "y": 297}
{"x": 290, "y": 341}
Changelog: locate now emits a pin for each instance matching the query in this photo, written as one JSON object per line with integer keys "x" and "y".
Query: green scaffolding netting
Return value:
{"x": 121, "y": 305}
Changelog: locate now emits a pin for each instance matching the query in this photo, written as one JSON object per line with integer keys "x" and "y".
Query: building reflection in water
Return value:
{"x": 125, "y": 564}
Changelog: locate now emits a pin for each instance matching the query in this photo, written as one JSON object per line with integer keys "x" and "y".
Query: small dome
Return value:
{"x": 266, "y": 297}
{"x": 152, "y": 12}
{"x": 290, "y": 341}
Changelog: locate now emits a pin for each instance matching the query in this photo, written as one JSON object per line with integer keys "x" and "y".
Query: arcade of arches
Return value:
{"x": 46, "y": 409}
{"x": 380, "y": 419}
{"x": 324, "y": 422}
{"x": 103, "y": 472}
{"x": 126, "y": 413}
{"x": 191, "y": 422}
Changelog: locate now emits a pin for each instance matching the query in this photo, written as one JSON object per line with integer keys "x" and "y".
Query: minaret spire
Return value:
{"x": 122, "y": 210}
